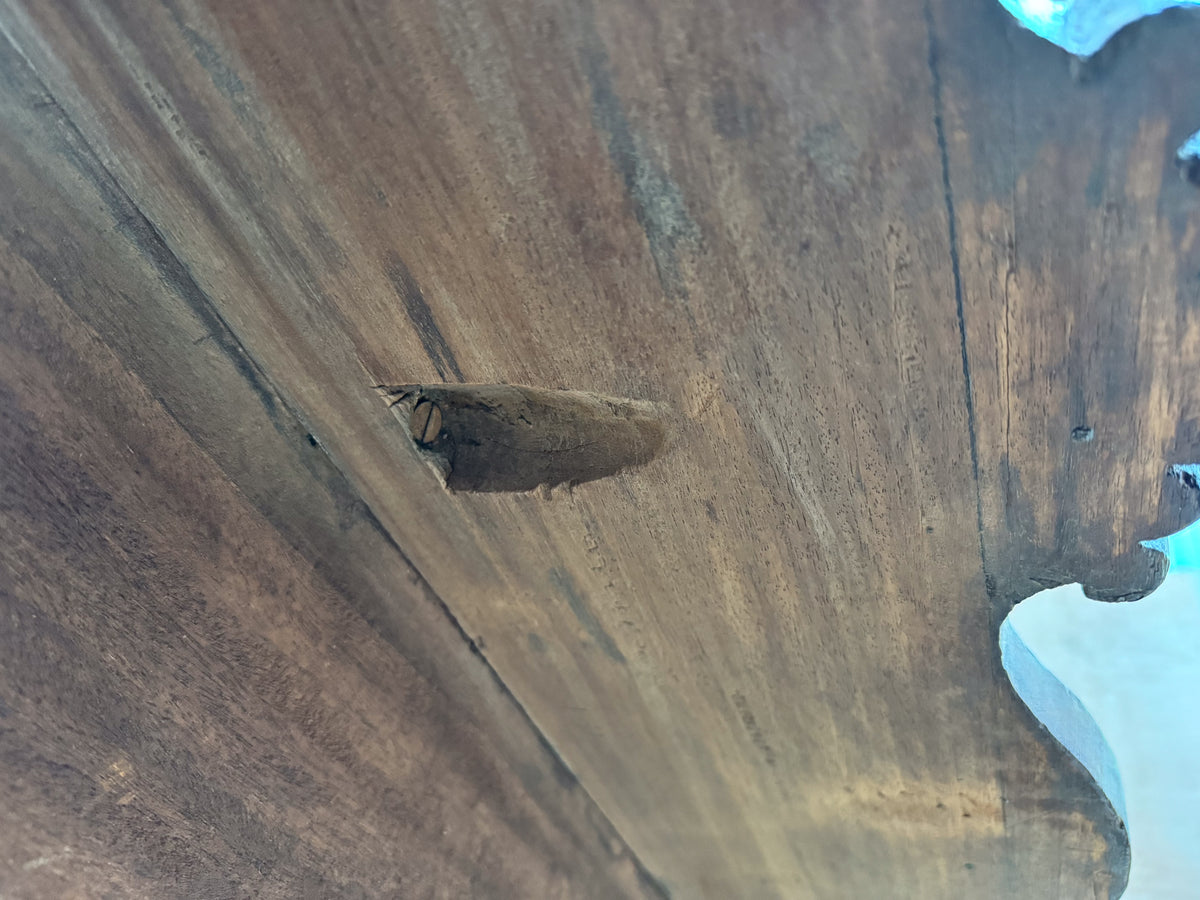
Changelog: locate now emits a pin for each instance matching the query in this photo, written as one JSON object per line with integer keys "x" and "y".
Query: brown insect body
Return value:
{"x": 501, "y": 437}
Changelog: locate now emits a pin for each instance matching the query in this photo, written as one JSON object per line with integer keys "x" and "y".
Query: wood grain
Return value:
{"x": 880, "y": 259}
{"x": 1079, "y": 271}
{"x": 220, "y": 688}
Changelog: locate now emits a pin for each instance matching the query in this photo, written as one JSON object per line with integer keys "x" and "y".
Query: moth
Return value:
{"x": 505, "y": 437}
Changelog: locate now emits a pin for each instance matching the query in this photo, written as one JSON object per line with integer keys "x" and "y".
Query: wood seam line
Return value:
{"x": 939, "y": 126}
{"x": 995, "y": 616}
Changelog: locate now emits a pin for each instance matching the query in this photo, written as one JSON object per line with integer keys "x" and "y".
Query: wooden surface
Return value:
{"x": 879, "y": 260}
{"x": 189, "y": 708}
{"x": 219, "y": 676}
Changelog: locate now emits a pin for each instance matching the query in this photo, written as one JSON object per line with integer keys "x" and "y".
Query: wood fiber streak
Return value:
{"x": 880, "y": 259}
{"x": 219, "y": 677}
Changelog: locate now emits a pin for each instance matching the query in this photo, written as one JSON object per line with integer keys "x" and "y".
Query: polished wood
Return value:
{"x": 878, "y": 260}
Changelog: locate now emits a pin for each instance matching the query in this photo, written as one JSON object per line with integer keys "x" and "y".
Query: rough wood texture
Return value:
{"x": 187, "y": 708}
{"x": 880, "y": 258}
{"x": 219, "y": 677}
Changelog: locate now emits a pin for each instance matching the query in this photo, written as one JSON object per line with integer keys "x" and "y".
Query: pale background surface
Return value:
{"x": 1136, "y": 667}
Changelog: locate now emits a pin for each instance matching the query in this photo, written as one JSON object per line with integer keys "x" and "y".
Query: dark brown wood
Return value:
{"x": 878, "y": 260}
{"x": 1079, "y": 259}
{"x": 210, "y": 689}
